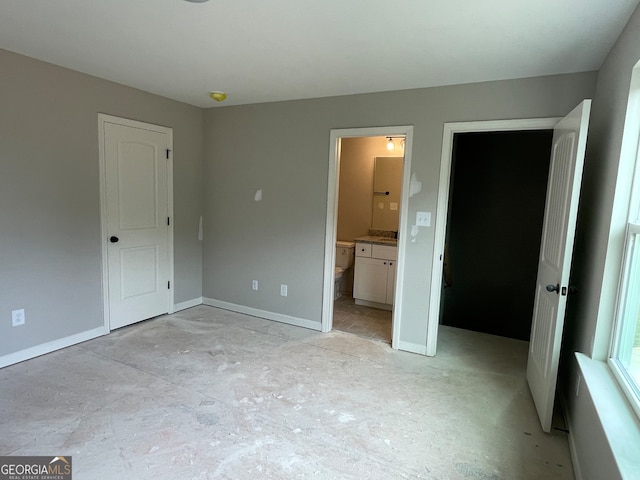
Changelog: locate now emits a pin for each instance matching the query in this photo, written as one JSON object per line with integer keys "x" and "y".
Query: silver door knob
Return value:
{"x": 553, "y": 288}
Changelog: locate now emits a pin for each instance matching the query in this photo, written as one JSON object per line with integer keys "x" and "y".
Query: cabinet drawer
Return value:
{"x": 363, "y": 250}
{"x": 384, "y": 251}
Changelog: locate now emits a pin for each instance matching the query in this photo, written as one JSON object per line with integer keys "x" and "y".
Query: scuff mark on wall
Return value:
{"x": 415, "y": 230}
{"x": 415, "y": 186}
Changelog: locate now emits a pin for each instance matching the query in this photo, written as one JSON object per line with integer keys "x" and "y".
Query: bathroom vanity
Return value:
{"x": 375, "y": 271}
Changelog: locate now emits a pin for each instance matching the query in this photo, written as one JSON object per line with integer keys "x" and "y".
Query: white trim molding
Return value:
{"x": 52, "y": 346}
{"x": 255, "y": 312}
{"x": 412, "y": 347}
{"x": 194, "y": 302}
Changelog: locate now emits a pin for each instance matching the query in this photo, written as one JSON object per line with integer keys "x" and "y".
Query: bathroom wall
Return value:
{"x": 357, "y": 159}
{"x": 356, "y": 183}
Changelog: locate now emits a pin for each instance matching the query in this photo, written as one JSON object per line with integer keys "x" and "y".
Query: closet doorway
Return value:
{"x": 496, "y": 209}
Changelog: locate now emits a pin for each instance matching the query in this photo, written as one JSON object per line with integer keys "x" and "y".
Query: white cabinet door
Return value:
{"x": 370, "y": 281}
{"x": 391, "y": 282}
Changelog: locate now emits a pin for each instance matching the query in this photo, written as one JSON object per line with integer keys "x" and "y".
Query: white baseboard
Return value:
{"x": 52, "y": 346}
{"x": 574, "y": 457}
{"x": 412, "y": 347}
{"x": 571, "y": 439}
{"x": 194, "y": 302}
{"x": 367, "y": 303}
{"x": 278, "y": 317}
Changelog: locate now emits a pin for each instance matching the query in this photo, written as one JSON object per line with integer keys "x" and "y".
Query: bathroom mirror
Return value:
{"x": 387, "y": 182}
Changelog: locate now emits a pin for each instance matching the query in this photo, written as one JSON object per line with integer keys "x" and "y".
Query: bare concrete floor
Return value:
{"x": 210, "y": 394}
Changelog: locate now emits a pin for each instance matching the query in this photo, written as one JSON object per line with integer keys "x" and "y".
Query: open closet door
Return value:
{"x": 556, "y": 249}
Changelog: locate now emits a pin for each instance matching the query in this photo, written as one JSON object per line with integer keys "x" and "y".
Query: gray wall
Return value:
{"x": 283, "y": 148}
{"x": 50, "y": 217}
{"x": 600, "y": 228}
{"x": 50, "y": 255}
{"x": 599, "y": 242}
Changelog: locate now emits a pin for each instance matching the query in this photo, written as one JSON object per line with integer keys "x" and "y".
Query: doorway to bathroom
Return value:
{"x": 364, "y": 251}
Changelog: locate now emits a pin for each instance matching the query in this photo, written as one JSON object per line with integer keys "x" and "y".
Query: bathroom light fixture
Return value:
{"x": 196, "y": 1}
{"x": 390, "y": 144}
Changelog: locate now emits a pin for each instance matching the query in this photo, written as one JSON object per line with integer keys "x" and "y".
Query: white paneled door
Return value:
{"x": 136, "y": 174}
{"x": 552, "y": 286}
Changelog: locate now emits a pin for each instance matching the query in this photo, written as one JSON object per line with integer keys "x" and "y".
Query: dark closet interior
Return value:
{"x": 494, "y": 227}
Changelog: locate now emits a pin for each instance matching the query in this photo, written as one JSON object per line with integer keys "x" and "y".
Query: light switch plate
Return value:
{"x": 423, "y": 219}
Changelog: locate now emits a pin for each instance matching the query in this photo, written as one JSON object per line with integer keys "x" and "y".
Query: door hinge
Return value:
{"x": 168, "y": 220}
{"x": 169, "y": 285}
{"x": 168, "y": 153}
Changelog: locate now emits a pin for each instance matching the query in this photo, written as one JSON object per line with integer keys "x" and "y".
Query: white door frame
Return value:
{"x": 102, "y": 120}
{"x": 332, "y": 219}
{"x": 450, "y": 129}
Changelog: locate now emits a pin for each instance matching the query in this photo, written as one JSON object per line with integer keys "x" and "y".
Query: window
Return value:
{"x": 625, "y": 347}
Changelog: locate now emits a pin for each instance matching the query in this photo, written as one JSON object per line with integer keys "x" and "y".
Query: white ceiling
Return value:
{"x": 269, "y": 50}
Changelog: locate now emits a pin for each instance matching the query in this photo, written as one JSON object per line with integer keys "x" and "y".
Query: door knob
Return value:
{"x": 113, "y": 239}
{"x": 553, "y": 288}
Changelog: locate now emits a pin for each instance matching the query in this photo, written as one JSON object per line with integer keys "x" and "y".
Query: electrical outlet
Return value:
{"x": 254, "y": 285}
{"x": 17, "y": 317}
{"x": 283, "y": 290}
{"x": 423, "y": 219}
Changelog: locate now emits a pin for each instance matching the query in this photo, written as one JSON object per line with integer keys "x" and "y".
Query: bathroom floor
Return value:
{"x": 362, "y": 321}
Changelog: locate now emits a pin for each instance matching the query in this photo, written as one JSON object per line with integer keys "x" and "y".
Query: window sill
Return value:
{"x": 625, "y": 385}
{"x": 619, "y": 421}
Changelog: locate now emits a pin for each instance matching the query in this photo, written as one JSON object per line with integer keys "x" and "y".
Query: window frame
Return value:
{"x": 621, "y": 325}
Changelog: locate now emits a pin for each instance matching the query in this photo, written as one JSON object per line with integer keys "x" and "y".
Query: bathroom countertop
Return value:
{"x": 378, "y": 240}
